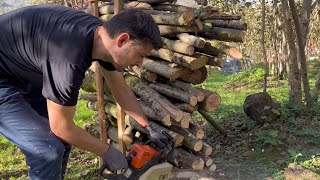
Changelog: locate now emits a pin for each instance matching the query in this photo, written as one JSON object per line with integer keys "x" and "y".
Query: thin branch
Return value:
{"x": 314, "y": 4}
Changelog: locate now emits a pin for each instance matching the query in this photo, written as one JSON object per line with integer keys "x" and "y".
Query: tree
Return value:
{"x": 263, "y": 12}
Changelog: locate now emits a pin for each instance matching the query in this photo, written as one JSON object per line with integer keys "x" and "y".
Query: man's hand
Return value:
{"x": 114, "y": 159}
{"x": 159, "y": 139}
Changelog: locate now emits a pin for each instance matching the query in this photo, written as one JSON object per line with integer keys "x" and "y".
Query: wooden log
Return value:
{"x": 174, "y": 93}
{"x": 211, "y": 101}
{"x": 197, "y": 131}
{"x": 143, "y": 73}
{"x": 179, "y": 19}
{"x": 228, "y": 24}
{"x": 177, "y": 137}
{"x": 196, "y": 76}
{"x": 168, "y": 29}
{"x": 109, "y": 8}
{"x": 106, "y": 17}
{"x": 163, "y": 69}
{"x": 112, "y": 133}
{"x": 220, "y": 16}
{"x": 183, "y": 159}
{"x": 89, "y": 82}
{"x": 186, "y": 107}
{"x": 212, "y": 122}
{"x": 178, "y": 46}
{"x": 91, "y": 97}
{"x": 189, "y": 141}
{"x": 128, "y": 135}
{"x": 172, "y": 8}
{"x": 163, "y": 117}
{"x": 213, "y": 48}
{"x": 184, "y": 123}
{"x": 157, "y": 1}
{"x": 153, "y": 98}
{"x": 188, "y": 88}
{"x": 191, "y": 62}
{"x": 206, "y": 149}
{"x": 223, "y": 34}
{"x": 207, "y": 160}
{"x": 215, "y": 60}
{"x": 191, "y": 40}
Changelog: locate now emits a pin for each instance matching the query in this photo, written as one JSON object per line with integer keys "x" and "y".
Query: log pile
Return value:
{"x": 193, "y": 40}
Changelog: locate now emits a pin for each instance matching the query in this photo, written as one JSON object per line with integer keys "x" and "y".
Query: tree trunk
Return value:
{"x": 191, "y": 40}
{"x": 211, "y": 101}
{"x": 186, "y": 107}
{"x": 174, "y": 93}
{"x": 188, "y": 88}
{"x": 178, "y": 19}
{"x": 183, "y": 159}
{"x": 167, "y": 29}
{"x": 295, "y": 94}
{"x": 266, "y": 68}
{"x": 228, "y": 24}
{"x": 196, "y": 76}
{"x": 178, "y": 46}
{"x": 316, "y": 88}
{"x": 162, "y": 69}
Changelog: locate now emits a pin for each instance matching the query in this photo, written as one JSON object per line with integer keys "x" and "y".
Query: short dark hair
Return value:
{"x": 137, "y": 23}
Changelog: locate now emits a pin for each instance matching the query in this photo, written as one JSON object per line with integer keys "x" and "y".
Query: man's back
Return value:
{"x": 38, "y": 41}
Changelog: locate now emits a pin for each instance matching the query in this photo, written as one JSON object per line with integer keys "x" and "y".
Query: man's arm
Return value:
{"x": 61, "y": 124}
{"x": 125, "y": 97}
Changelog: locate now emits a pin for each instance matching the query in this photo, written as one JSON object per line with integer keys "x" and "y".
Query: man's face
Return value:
{"x": 130, "y": 53}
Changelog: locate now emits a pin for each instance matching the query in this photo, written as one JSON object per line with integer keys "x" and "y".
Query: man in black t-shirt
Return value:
{"x": 44, "y": 53}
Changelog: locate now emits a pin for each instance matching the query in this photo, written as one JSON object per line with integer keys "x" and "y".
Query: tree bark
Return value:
{"x": 174, "y": 93}
{"x": 188, "y": 88}
{"x": 186, "y": 107}
{"x": 191, "y": 40}
{"x": 168, "y": 30}
{"x": 197, "y": 131}
{"x": 206, "y": 149}
{"x": 162, "y": 116}
{"x": 223, "y": 34}
{"x": 178, "y": 19}
{"x": 178, "y": 46}
{"x": 195, "y": 77}
{"x": 211, "y": 101}
{"x": 162, "y": 69}
{"x": 183, "y": 159}
{"x": 189, "y": 141}
{"x": 228, "y": 24}
{"x": 144, "y": 74}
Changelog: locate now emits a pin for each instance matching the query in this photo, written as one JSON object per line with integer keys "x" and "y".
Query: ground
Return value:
{"x": 250, "y": 151}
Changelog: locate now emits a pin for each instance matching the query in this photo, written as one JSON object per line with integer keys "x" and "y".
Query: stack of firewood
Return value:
{"x": 192, "y": 40}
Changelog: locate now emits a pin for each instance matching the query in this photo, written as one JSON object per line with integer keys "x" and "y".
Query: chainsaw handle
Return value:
{"x": 106, "y": 166}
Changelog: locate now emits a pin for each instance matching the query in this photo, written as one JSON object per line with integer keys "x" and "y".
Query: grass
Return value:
{"x": 259, "y": 151}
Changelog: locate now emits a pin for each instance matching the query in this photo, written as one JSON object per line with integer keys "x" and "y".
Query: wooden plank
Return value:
{"x": 121, "y": 129}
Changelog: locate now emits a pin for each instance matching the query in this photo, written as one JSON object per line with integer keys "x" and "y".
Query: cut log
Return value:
{"x": 106, "y": 17}
{"x": 153, "y": 98}
{"x": 172, "y": 8}
{"x": 163, "y": 69}
{"x": 212, "y": 122}
{"x": 91, "y": 97}
{"x": 89, "y": 82}
{"x": 191, "y": 40}
{"x": 189, "y": 141}
{"x": 177, "y": 137}
{"x": 186, "y": 107}
{"x": 221, "y": 16}
{"x": 174, "y": 93}
{"x": 215, "y": 60}
{"x": 128, "y": 135}
{"x": 190, "y": 62}
{"x": 142, "y": 73}
{"x": 168, "y": 29}
{"x": 206, "y": 149}
{"x": 196, "y": 76}
{"x": 197, "y": 131}
{"x": 188, "y": 88}
{"x": 215, "y": 47}
{"x": 228, "y": 24}
{"x": 112, "y": 133}
{"x": 157, "y": 1}
{"x": 223, "y": 34}
{"x": 184, "y": 123}
{"x": 109, "y": 8}
{"x": 163, "y": 117}
{"x": 178, "y": 46}
{"x": 211, "y": 101}
{"x": 178, "y": 19}
{"x": 183, "y": 159}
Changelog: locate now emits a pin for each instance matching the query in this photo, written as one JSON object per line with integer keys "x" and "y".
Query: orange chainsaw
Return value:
{"x": 145, "y": 159}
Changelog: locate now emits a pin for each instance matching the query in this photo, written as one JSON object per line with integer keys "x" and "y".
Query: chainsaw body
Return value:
{"x": 141, "y": 158}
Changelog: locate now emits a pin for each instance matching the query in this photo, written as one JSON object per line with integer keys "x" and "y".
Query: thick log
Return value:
{"x": 178, "y": 46}
{"x": 220, "y": 16}
{"x": 186, "y": 107}
{"x": 168, "y": 29}
{"x": 143, "y": 73}
{"x": 174, "y": 93}
{"x": 207, "y": 160}
{"x": 172, "y": 8}
{"x": 212, "y": 122}
{"x": 163, "y": 117}
{"x": 183, "y": 159}
{"x": 228, "y": 24}
{"x": 211, "y": 101}
{"x": 206, "y": 149}
{"x": 196, "y": 76}
{"x": 157, "y": 1}
{"x": 106, "y": 17}
{"x": 112, "y": 133}
{"x": 215, "y": 60}
{"x": 109, "y": 8}
{"x": 188, "y": 88}
{"x": 177, "y": 137}
{"x": 192, "y": 40}
{"x": 191, "y": 62}
{"x": 178, "y": 19}
{"x": 91, "y": 97}
{"x": 151, "y": 97}
{"x": 197, "y": 131}
{"x": 189, "y": 141}
{"x": 223, "y": 34}
{"x": 163, "y": 69}
{"x": 213, "y": 48}
{"x": 184, "y": 123}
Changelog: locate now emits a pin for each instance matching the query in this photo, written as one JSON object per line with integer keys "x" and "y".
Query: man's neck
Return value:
{"x": 101, "y": 45}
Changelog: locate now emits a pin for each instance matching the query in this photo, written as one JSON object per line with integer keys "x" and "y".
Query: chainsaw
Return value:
{"x": 145, "y": 161}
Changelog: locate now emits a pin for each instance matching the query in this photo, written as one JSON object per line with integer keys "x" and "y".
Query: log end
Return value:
{"x": 193, "y": 100}
{"x": 198, "y": 164}
{"x": 197, "y": 146}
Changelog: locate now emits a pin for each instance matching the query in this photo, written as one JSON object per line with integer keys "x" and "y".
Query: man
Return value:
{"x": 44, "y": 53}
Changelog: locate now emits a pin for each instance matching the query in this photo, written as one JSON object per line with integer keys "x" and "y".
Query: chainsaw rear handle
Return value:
{"x": 106, "y": 166}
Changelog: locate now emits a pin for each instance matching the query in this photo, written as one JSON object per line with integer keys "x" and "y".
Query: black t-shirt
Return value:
{"x": 47, "y": 47}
